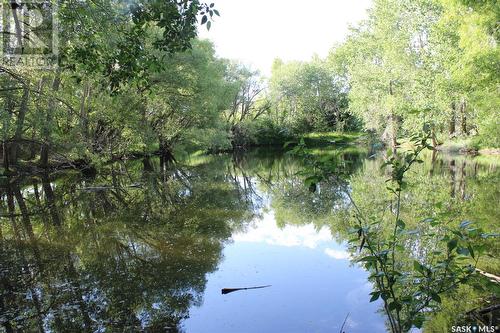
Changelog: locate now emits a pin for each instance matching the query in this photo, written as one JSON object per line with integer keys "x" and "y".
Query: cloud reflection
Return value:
{"x": 337, "y": 254}
{"x": 266, "y": 231}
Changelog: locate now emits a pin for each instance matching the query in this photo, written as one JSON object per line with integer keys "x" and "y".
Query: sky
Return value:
{"x": 258, "y": 31}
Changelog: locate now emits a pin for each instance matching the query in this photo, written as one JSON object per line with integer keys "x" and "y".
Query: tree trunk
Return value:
{"x": 393, "y": 124}
{"x": 5, "y": 156}
{"x": 433, "y": 163}
{"x": 166, "y": 152}
{"x": 147, "y": 166}
{"x": 463, "y": 122}
{"x": 453, "y": 120}
{"x": 5, "y": 145}
{"x": 51, "y": 201}
{"x": 394, "y": 133}
{"x": 28, "y": 228}
{"x": 84, "y": 106}
{"x": 23, "y": 109}
{"x": 40, "y": 110}
{"x": 463, "y": 182}
{"x": 453, "y": 178}
{"x": 17, "y": 24}
{"x": 44, "y": 155}
{"x": 44, "y": 152}
{"x": 433, "y": 137}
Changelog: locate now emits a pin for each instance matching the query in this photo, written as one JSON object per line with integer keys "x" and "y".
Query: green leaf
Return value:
{"x": 379, "y": 274}
{"x": 435, "y": 297}
{"x": 375, "y": 296}
{"x": 418, "y": 266}
{"x": 400, "y": 224}
{"x": 204, "y": 19}
{"x": 395, "y": 306}
{"x": 311, "y": 180}
{"x": 362, "y": 244}
{"x": 209, "y": 25}
{"x": 433, "y": 222}
{"x": 407, "y": 299}
{"x": 216, "y": 12}
{"x": 399, "y": 247}
{"x": 471, "y": 250}
{"x": 418, "y": 321}
{"x": 396, "y": 273}
{"x": 452, "y": 244}
{"x": 352, "y": 230}
{"x": 463, "y": 251}
{"x": 368, "y": 258}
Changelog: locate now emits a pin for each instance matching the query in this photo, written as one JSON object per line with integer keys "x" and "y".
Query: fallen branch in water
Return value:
{"x": 105, "y": 188}
{"x": 230, "y": 290}
{"x": 492, "y": 277}
{"x": 343, "y": 324}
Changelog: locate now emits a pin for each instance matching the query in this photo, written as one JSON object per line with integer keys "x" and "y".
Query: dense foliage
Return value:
{"x": 422, "y": 61}
{"x": 132, "y": 80}
{"x": 410, "y": 62}
{"x": 143, "y": 84}
{"x": 413, "y": 260}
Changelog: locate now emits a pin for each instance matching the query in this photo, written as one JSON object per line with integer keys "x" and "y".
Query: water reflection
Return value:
{"x": 144, "y": 249}
{"x": 108, "y": 254}
{"x": 314, "y": 286}
{"x": 266, "y": 231}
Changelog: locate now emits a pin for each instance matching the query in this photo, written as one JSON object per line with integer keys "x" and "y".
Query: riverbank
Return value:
{"x": 466, "y": 146}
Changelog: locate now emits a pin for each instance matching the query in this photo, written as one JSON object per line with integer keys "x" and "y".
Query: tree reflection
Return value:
{"x": 426, "y": 198}
{"x": 128, "y": 251}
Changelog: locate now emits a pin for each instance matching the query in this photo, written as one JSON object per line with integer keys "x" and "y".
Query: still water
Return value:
{"x": 313, "y": 287}
{"x": 143, "y": 247}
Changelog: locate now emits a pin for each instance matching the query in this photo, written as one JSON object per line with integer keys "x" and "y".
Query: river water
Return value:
{"x": 131, "y": 250}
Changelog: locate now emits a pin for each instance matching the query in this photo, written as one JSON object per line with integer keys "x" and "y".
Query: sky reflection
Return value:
{"x": 314, "y": 286}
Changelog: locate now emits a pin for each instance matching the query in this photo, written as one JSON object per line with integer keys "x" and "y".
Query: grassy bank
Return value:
{"x": 333, "y": 138}
{"x": 468, "y": 145}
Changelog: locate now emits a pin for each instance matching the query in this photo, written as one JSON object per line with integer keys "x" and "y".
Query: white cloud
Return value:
{"x": 266, "y": 231}
{"x": 337, "y": 254}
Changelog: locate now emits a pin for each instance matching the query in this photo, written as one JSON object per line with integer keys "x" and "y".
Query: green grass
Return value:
{"x": 333, "y": 150}
{"x": 456, "y": 145}
{"x": 331, "y": 138}
{"x": 197, "y": 158}
{"x": 462, "y": 145}
{"x": 488, "y": 159}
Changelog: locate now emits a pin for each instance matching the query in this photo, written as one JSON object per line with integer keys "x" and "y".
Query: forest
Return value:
{"x": 131, "y": 163}
{"x": 144, "y": 84}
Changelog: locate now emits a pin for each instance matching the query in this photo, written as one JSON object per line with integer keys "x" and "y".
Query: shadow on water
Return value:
{"x": 130, "y": 249}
